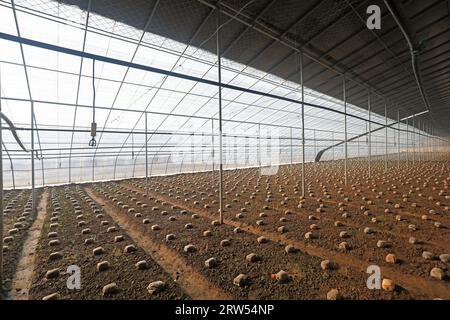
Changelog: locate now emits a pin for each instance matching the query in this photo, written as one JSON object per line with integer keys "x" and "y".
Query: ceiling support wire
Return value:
{"x": 414, "y": 53}
{"x": 175, "y": 115}
{"x": 147, "y": 24}
{"x": 211, "y": 67}
{"x": 129, "y": 40}
{"x": 79, "y": 83}
{"x": 3, "y": 143}
{"x": 228, "y": 103}
{"x": 387, "y": 49}
{"x": 13, "y": 131}
{"x": 279, "y": 39}
{"x": 257, "y": 26}
{"x": 247, "y": 64}
{"x": 32, "y": 121}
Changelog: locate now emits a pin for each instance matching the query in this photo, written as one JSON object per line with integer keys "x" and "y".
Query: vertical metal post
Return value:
{"x": 433, "y": 136}
{"x": 203, "y": 149}
{"x": 398, "y": 139}
{"x": 292, "y": 160}
{"x": 385, "y": 138}
{"x": 434, "y": 144}
{"x": 235, "y": 152}
{"x": 1, "y": 194}
{"x": 212, "y": 145}
{"x": 146, "y": 156}
{"x": 315, "y": 143}
{"x": 419, "y": 141}
{"x": 259, "y": 147}
{"x": 425, "y": 139}
{"x": 345, "y": 130}
{"x": 247, "y": 150}
{"x": 193, "y": 160}
{"x": 414, "y": 138}
{"x": 219, "y": 71}
{"x": 357, "y": 146}
{"x": 422, "y": 141}
{"x": 429, "y": 141}
{"x": 407, "y": 141}
{"x": 33, "y": 197}
{"x": 300, "y": 55}
{"x": 332, "y": 158}
{"x": 369, "y": 102}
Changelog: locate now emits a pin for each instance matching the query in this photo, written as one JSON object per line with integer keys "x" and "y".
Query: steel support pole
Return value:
{"x": 203, "y": 150}
{"x": 385, "y": 139}
{"x": 358, "y": 149}
{"x": 192, "y": 153}
{"x": 425, "y": 141}
{"x": 235, "y": 152}
{"x": 247, "y": 150}
{"x": 398, "y": 139}
{"x": 345, "y": 130}
{"x": 407, "y": 141}
{"x": 434, "y": 145}
{"x": 414, "y": 139}
{"x": 259, "y": 148}
{"x": 315, "y": 148}
{"x": 430, "y": 139}
{"x": 369, "y": 102}
{"x": 429, "y": 142}
{"x": 292, "y": 160}
{"x": 332, "y": 158}
{"x": 419, "y": 141}
{"x": 212, "y": 146}
{"x": 33, "y": 196}
{"x": 300, "y": 55}
{"x": 219, "y": 71}
{"x": 1, "y": 196}
{"x": 146, "y": 156}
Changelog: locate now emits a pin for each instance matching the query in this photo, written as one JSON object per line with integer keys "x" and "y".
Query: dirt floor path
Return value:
{"x": 421, "y": 286}
{"x": 25, "y": 269}
{"x": 194, "y": 284}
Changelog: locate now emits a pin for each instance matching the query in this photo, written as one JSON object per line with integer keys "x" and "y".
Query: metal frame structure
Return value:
{"x": 164, "y": 94}
{"x": 286, "y": 112}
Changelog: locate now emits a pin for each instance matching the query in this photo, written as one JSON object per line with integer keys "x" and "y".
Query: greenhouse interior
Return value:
{"x": 225, "y": 150}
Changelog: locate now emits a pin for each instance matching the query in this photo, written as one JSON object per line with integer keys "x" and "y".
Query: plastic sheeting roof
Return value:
{"x": 181, "y": 114}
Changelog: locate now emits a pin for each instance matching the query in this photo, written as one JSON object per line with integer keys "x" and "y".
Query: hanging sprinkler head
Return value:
{"x": 93, "y": 142}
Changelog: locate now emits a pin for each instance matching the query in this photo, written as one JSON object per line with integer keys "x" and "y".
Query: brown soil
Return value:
{"x": 412, "y": 271}
{"x": 25, "y": 268}
{"x": 15, "y": 203}
{"x": 389, "y": 202}
{"x": 132, "y": 283}
{"x": 195, "y": 285}
{"x": 308, "y": 280}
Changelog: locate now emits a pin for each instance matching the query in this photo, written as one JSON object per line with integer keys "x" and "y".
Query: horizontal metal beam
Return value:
{"x": 123, "y": 63}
